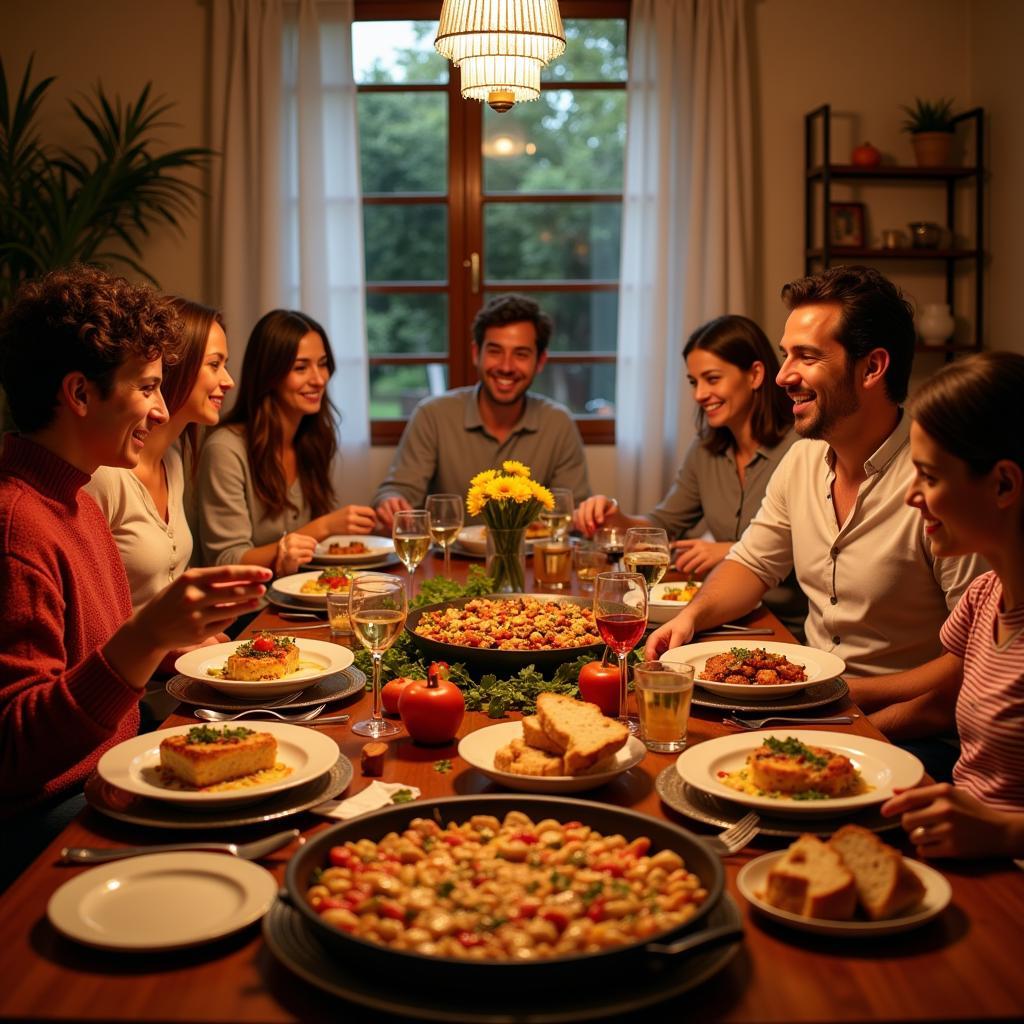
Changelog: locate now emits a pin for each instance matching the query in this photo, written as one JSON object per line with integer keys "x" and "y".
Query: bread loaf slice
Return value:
{"x": 811, "y": 880}
{"x": 535, "y": 736}
{"x": 519, "y": 759}
{"x": 885, "y": 885}
{"x": 581, "y": 728}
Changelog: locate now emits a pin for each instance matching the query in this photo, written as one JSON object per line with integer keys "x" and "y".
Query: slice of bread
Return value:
{"x": 535, "y": 736}
{"x": 519, "y": 759}
{"x": 886, "y": 886}
{"x": 581, "y": 729}
{"x": 811, "y": 880}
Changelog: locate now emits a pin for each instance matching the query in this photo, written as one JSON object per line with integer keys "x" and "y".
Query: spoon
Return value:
{"x": 247, "y": 851}
{"x": 229, "y": 716}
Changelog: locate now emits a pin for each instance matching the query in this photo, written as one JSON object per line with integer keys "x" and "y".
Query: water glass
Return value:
{"x": 337, "y": 614}
{"x": 663, "y": 694}
{"x": 552, "y": 563}
{"x": 588, "y": 560}
{"x": 558, "y": 519}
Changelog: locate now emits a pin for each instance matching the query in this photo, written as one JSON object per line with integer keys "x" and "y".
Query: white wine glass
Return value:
{"x": 558, "y": 518}
{"x": 646, "y": 551}
{"x": 377, "y": 607}
{"x": 411, "y": 534}
{"x": 446, "y": 515}
{"x": 620, "y": 610}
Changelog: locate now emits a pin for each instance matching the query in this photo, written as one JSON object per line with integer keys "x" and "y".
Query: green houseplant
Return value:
{"x": 930, "y": 124}
{"x": 92, "y": 205}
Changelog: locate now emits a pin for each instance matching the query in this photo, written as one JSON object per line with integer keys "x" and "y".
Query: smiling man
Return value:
{"x": 834, "y": 508}
{"x": 451, "y": 438}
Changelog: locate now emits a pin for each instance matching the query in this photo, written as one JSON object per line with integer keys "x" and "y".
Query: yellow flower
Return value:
{"x": 476, "y": 499}
{"x": 542, "y": 494}
{"x": 482, "y": 478}
{"x": 516, "y": 468}
{"x": 521, "y": 490}
{"x": 500, "y": 488}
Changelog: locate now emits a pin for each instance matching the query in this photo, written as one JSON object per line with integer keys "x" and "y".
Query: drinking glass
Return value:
{"x": 445, "y": 522}
{"x": 337, "y": 613}
{"x": 377, "y": 607}
{"x": 411, "y": 534}
{"x": 611, "y": 539}
{"x": 663, "y": 694}
{"x": 620, "y": 608}
{"x": 646, "y": 551}
{"x": 589, "y": 560}
{"x": 558, "y": 519}
{"x": 552, "y": 563}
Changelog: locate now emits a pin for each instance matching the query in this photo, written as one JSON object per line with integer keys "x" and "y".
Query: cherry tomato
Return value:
{"x": 263, "y": 643}
{"x": 599, "y": 684}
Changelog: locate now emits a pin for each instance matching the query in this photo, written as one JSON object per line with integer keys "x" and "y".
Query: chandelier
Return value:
{"x": 500, "y": 46}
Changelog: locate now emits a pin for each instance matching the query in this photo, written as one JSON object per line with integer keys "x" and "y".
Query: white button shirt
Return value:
{"x": 876, "y": 596}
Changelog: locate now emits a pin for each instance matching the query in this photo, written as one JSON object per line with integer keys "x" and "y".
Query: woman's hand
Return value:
{"x": 293, "y": 550}
{"x": 591, "y": 513}
{"x": 946, "y": 821}
{"x": 699, "y": 557}
{"x": 353, "y": 519}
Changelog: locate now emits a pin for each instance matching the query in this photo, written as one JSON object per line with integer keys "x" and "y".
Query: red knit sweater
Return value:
{"x": 63, "y": 593}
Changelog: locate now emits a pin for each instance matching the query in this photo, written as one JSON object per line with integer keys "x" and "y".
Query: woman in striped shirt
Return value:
{"x": 967, "y": 444}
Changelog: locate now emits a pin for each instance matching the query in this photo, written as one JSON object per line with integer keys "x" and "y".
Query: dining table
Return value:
{"x": 963, "y": 965}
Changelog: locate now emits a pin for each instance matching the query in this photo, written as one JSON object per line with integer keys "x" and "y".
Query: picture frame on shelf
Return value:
{"x": 846, "y": 225}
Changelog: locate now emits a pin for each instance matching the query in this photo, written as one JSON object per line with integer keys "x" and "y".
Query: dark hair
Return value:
{"x": 269, "y": 356}
{"x": 874, "y": 315}
{"x": 77, "y": 319}
{"x": 513, "y": 309}
{"x": 739, "y": 341}
{"x": 180, "y": 379}
{"x": 973, "y": 408}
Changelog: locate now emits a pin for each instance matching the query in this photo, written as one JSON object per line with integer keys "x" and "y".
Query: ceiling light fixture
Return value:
{"x": 500, "y": 46}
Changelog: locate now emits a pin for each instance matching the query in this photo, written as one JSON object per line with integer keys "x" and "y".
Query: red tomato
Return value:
{"x": 392, "y": 691}
{"x": 432, "y": 710}
{"x": 599, "y": 684}
{"x": 263, "y": 643}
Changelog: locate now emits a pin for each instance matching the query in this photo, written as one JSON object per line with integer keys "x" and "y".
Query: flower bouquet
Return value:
{"x": 509, "y": 501}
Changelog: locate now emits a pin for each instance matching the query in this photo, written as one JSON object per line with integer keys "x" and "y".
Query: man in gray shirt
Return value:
{"x": 451, "y": 438}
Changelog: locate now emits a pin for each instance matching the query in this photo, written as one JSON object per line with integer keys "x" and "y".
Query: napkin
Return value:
{"x": 377, "y": 794}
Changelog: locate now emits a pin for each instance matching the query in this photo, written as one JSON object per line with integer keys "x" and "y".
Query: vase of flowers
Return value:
{"x": 509, "y": 500}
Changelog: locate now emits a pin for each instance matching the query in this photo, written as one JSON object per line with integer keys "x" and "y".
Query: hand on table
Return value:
{"x": 353, "y": 519}
{"x": 699, "y": 557}
{"x": 388, "y": 507}
{"x": 674, "y": 633}
{"x": 591, "y": 513}
{"x": 293, "y": 550}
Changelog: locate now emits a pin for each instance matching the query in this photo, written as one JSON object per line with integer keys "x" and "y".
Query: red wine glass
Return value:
{"x": 620, "y": 609}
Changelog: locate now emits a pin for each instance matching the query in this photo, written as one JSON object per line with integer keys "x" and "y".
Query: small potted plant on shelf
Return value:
{"x": 930, "y": 125}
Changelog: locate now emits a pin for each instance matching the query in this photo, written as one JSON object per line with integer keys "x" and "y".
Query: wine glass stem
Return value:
{"x": 378, "y": 657}
{"x": 448, "y": 560}
{"x": 623, "y": 687}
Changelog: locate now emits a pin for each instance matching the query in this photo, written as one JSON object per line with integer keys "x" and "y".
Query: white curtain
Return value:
{"x": 288, "y": 226}
{"x": 687, "y": 229}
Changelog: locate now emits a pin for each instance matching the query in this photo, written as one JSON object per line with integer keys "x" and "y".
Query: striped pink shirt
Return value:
{"x": 990, "y": 708}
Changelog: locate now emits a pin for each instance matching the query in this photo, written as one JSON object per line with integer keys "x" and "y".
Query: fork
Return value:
{"x": 303, "y": 717}
{"x": 734, "y": 838}
{"x": 247, "y": 851}
{"x": 758, "y": 723}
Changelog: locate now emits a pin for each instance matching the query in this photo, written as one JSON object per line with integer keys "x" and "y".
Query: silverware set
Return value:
{"x": 247, "y": 851}
{"x": 308, "y": 716}
{"x": 760, "y": 723}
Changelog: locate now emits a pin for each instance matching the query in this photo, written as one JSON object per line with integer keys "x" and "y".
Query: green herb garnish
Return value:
{"x": 229, "y": 734}
{"x": 794, "y": 748}
{"x": 444, "y": 889}
{"x": 443, "y": 766}
{"x": 402, "y": 796}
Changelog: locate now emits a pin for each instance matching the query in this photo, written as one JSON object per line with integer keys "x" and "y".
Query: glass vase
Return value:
{"x": 506, "y": 560}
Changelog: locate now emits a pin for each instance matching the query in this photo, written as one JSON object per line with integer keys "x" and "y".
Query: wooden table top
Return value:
{"x": 963, "y": 966}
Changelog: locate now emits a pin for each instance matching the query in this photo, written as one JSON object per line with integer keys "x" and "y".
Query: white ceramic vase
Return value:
{"x": 935, "y": 324}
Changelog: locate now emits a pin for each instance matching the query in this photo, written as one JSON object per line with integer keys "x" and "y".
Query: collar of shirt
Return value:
{"x": 881, "y": 458}
{"x": 529, "y": 422}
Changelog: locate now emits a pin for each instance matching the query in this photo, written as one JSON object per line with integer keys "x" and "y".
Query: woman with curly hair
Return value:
{"x": 264, "y": 481}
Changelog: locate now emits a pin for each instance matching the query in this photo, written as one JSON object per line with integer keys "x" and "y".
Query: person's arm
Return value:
{"x": 593, "y": 513}
{"x": 682, "y": 508}
{"x": 414, "y": 466}
{"x": 225, "y": 518}
{"x": 941, "y": 675}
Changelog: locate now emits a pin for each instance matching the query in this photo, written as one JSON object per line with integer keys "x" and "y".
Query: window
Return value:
{"x": 461, "y": 203}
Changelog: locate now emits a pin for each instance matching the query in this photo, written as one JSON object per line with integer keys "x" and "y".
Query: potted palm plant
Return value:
{"x": 930, "y": 125}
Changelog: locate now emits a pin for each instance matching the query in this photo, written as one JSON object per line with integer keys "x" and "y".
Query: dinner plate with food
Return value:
{"x": 312, "y": 588}
{"x": 755, "y": 670}
{"x": 667, "y": 600}
{"x": 472, "y": 540}
{"x": 218, "y": 764}
{"x": 266, "y": 665}
{"x": 812, "y": 772}
{"x": 851, "y": 884}
{"x": 339, "y": 549}
{"x": 566, "y": 747}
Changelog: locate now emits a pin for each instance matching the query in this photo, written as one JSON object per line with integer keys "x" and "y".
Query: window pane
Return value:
{"x": 405, "y": 242}
{"x": 396, "y": 52}
{"x": 586, "y": 390}
{"x": 584, "y": 321}
{"x": 565, "y": 142}
{"x": 407, "y": 324}
{"x": 595, "y": 51}
{"x": 552, "y": 241}
{"x": 395, "y": 390}
{"x": 393, "y": 125}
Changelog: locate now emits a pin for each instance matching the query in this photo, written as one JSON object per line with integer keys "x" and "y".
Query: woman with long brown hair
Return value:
{"x": 264, "y": 482}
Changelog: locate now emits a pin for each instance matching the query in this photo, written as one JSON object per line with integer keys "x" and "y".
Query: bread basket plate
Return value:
{"x": 317, "y": 659}
{"x": 883, "y": 767}
{"x": 752, "y": 882}
{"x": 660, "y": 608}
{"x": 132, "y": 765}
{"x": 819, "y": 666}
{"x": 479, "y": 747}
{"x": 161, "y": 901}
{"x": 377, "y": 550}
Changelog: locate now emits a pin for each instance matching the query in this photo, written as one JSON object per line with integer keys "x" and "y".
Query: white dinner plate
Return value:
{"x": 478, "y": 750}
{"x": 132, "y": 765}
{"x": 882, "y": 766}
{"x": 317, "y": 659}
{"x": 819, "y": 666}
{"x": 661, "y": 610}
{"x": 752, "y": 882}
{"x": 472, "y": 540}
{"x": 291, "y": 586}
{"x": 379, "y": 549}
{"x": 162, "y": 901}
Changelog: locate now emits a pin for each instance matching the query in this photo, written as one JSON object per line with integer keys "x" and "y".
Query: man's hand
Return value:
{"x": 591, "y": 513}
{"x": 674, "y": 633}
{"x": 699, "y": 557}
{"x": 388, "y": 507}
{"x": 353, "y": 519}
{"x": 293, "y": 550}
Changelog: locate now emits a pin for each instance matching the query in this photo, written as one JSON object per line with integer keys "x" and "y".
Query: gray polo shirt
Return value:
{"x": 445, "y": 444}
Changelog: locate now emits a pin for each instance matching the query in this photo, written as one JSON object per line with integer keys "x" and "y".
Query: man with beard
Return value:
{"x": 451, "y": 438}
{"x": 834, "y": 508}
